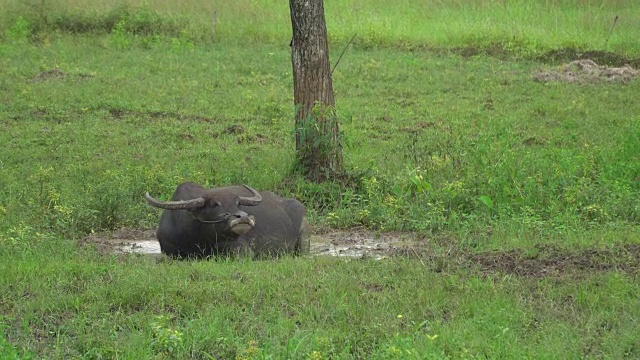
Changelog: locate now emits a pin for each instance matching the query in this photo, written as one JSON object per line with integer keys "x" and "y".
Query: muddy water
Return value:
{"x": 337, "y": 244}
{"x": 139, "y": 247}
{"x": 365, "y": 247}
{"x": 550, "y": 261}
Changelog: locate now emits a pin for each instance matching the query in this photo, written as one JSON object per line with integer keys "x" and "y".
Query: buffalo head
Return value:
{"x": 216, "y": 207}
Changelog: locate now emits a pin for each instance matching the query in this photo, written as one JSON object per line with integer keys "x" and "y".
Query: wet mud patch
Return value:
{"x": 546, "y": 260}
{"x": 125, "y": 241}
{"x": 586, "y": 71}
{"x": 347, "y": 244}
{"x": 352, "y": 244}
{"x": 360, "y": 244}
{"x": 540, "y": 261}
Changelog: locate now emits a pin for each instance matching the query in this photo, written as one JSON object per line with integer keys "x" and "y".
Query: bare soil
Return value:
{"x": 565, "y": 55}
{"x": 540, "y": 261}
{"x": 57, "y": 73}
{"x": 547, "y": 260}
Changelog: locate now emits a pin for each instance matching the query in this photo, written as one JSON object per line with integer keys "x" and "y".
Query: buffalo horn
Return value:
{"x": 251, "y": 201}
{"x": 176, "y": 205}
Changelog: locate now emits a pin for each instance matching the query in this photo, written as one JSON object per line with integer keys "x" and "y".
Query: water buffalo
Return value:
{"x": 229, "y": 221}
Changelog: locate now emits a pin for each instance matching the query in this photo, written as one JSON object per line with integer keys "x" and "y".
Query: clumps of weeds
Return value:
{"x": 166, "y": 340}
{"x": 443, "y": 186}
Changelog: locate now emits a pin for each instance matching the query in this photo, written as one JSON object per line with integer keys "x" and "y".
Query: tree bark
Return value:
{"x": 318, "y": 144}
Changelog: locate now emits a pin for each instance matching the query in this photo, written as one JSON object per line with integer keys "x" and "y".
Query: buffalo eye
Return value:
{"x": 215, "y": 204}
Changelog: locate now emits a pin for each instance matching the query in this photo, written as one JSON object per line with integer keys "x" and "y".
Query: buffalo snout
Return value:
{"x": 241, "y": 222}
{"x": 241, "y": 214}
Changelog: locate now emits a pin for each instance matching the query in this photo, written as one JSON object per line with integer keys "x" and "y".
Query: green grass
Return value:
{"x": 520, "y": 26}
{"x": 84, "y": 143}
{"x": 66, "y": 304}
{"x": 468, "y": 152}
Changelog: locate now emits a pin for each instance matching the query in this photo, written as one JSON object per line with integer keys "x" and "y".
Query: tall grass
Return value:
{"x": 517, "y": 25}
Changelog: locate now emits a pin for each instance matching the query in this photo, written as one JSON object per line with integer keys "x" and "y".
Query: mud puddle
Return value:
{"x": 126, "y": 241}
{"x": 339, "y": 243}
{"x": 537, "y": 262}
{"x": 359, "y": 244}
{"x": 139, "y": 247}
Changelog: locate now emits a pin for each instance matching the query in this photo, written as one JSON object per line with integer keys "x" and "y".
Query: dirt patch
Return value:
{"x": 554, "y": 57}
{"x": 235, "y": 130}
{"x": 534, "y": 141}
{"x": 496, "y": 50}
{"x": 566, "y": 55}
{"x": 118, "y": 113}
{"x": 57, "y": 73}
{"x": 587, "y": 71}
{"x": 540, "y": 261}
{"x": 547, "y": 260}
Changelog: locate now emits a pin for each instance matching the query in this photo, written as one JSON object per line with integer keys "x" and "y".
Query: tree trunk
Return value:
{"x": 318, "y": 145}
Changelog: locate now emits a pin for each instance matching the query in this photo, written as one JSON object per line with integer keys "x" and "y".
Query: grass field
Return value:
{"x": 515, "y": 25}
{"x": 523, "y": 196}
